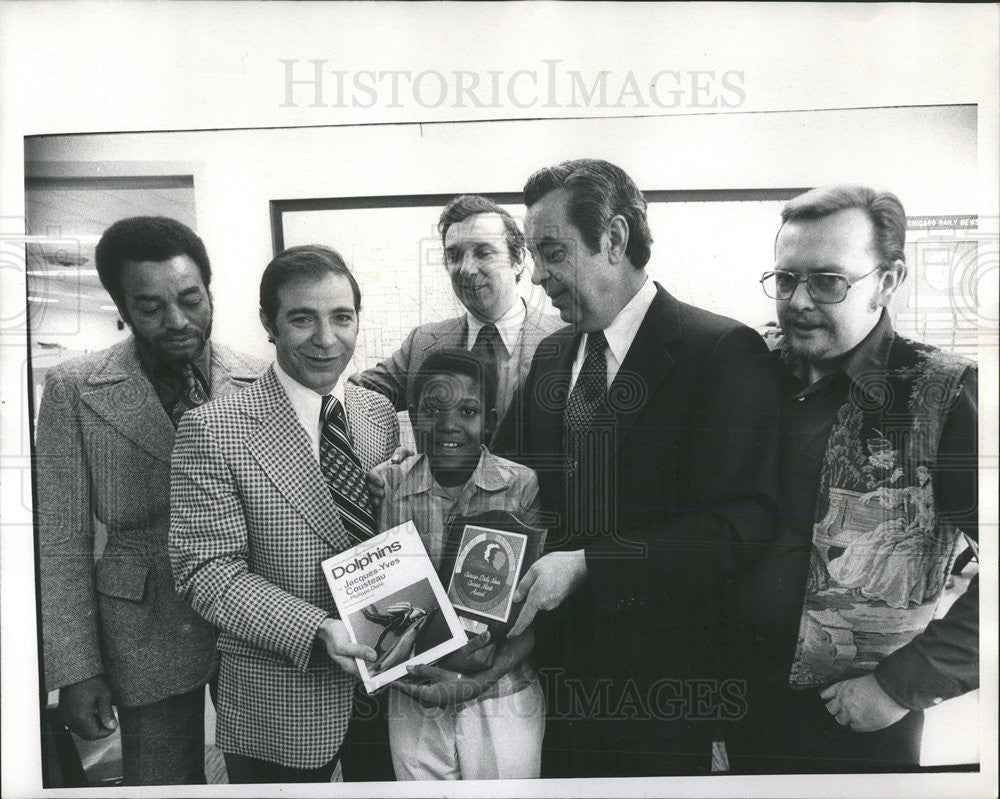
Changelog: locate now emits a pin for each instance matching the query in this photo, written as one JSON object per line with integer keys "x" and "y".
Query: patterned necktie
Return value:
{"x": 589, "y": 456}
{"x": 487, "y": 341}
{"x": 591, "y": 384}
{"x": 191, "y": 394}
{"x": 342, "y": 469}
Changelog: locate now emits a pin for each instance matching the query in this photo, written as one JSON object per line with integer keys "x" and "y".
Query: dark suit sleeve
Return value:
{"x": 943, "y": 661}
{"x": 515, "y": 435}
{"x": 727, "y": 477}
{"x": 390, "y": 378}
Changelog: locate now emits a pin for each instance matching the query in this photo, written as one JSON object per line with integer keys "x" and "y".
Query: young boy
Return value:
{"x": 457, "y": 722}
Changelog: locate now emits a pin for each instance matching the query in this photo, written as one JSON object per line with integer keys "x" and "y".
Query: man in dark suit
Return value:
{"x": 484, "y": 256}
{"x": 650, "y": 424}
{"x": 265, "y": 486}
{"x": 115, "y": 633}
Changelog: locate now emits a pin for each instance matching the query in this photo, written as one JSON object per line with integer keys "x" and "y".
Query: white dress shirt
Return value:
{"x": 307, "y": 404}
{"x": 620, "y": 333}
{"x": 508, "y": 326}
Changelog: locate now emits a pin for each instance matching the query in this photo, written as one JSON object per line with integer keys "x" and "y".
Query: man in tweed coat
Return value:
{"x": 484, "y": 256}
{"x": 253, "y": 517}
{"x": 117, "y": 633}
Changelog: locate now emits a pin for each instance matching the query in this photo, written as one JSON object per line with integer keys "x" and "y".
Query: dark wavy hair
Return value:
{"x": 309, "y": 261}
{"x": 598, "y": 191}
{"x": 146, "y": 238}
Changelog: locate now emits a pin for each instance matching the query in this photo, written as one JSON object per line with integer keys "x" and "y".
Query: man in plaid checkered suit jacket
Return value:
{"x": 253, "y": 516}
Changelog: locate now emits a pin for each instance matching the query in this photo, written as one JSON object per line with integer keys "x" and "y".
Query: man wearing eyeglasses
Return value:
{"x": 879, "y": 473}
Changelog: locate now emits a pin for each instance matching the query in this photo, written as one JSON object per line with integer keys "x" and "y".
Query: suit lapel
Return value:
{"x": 552, "y": 391}
{"x": 451, "y": 333}
{"x": 647, "y": 363}
{"x": 230, "y": 372}
{"x": 282, "y": 449}
{"x": 123, "y": 396}
{"x": 364, "y": 430}
{"x": 531, "y": 334}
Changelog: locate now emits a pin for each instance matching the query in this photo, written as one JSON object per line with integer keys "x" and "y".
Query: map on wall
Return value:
{"x": 395, "y": 253}
{"x": 709, "y": 249}
{"x": 709, "y": 252}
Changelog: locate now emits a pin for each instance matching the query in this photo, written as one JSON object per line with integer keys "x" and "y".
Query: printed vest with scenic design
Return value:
{"x": 880, "y": 554}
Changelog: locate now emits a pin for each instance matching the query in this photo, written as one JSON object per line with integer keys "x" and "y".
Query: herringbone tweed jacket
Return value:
{"x": 251, "y": 520}
{"x": 102, "y": 455}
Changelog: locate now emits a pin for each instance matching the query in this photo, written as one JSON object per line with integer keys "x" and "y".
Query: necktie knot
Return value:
{"x": 486, "y": 347}
{"x": 587, "y": 395}
{"x": 487, "y": 344}
{"x": 488, "y": 334}
{"x": 329, "y": 408}
{"x": 596, "y": 343}
{"x": 191, "y": 392}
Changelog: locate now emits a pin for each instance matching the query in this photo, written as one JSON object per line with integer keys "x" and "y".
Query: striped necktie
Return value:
{"x": 342, "y": 469}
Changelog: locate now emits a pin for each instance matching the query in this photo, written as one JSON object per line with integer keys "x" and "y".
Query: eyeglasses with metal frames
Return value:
{"x": 826, "y": 288}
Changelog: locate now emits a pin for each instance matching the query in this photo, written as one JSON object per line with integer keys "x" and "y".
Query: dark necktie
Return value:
{"x": 191, "y": 394}
{"x": 591, "y": 385}
{"x": 342, "y": 469}
{"x": 487, "y": 342}
{"x": 589, "y": 447}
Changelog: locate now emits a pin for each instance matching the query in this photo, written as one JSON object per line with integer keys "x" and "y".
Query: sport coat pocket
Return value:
{"x": 121, "y": 578}
{"x": 231, "y": 645}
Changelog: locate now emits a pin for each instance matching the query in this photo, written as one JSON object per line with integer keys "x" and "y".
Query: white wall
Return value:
{"x": 926, "y": 155}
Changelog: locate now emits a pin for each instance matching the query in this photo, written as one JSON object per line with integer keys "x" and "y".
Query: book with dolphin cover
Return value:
{"x": 390, "y": 598}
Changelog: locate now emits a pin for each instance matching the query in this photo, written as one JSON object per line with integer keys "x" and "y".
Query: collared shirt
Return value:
{"x": 620, "y": 333}
{"x": 508, "y": 326}
{"x": 776, "y": 583}
{"x": 307, "y": 403}
{"x": 166, "y": 377}
{"x": 870, "y": 356}
{"x": 939, "y": 662}
{"x": 809, "y": 411}
{"x": 412, "y": 493}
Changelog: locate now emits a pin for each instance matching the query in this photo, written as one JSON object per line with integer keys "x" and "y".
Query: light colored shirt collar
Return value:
{"x": 620, "y": 333}
{"x": 508, "y": 326}
{"x": 489, "y": 475}
{"x": 307, "y": 403}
